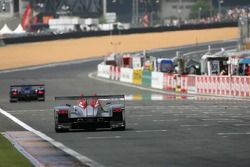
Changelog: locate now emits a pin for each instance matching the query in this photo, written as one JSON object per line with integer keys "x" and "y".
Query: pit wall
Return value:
{"x": 232, "y": 86}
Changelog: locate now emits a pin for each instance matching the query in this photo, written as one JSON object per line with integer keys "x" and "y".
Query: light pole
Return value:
{"x": 219, "y": 7}
{"x": 104, "y": 7}
{"x": 179, "y": 11}
{"x": 135, "y": 12}
{"x": 211, "y": 8}
{"x": 199, "y": 14}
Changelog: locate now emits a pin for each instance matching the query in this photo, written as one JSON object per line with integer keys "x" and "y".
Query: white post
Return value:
{"x": 104, "y": 7}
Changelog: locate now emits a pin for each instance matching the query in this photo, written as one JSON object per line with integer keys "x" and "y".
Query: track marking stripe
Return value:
{"x": 103, "y": 137}
{"x": 201, "y": 125}
{"x": 233, "y": 133}
{"x": 166, "y": 120}
{"x": 145, "y": 131}
{"x": 57, "y": 144}
{"x": 219, "y": 119}
{"x": 241, "y": 124}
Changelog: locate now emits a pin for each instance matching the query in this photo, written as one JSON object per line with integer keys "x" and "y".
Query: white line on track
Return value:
{"x": 103, "y": 137}
{"x": 241, "y": 124}
{"x": 149, "y": 131}
{"x": 185, "y": 114}
{"x": 233, "y": 133}
{"x": 205, "y": 112}
{"x": 166, "y": 120}
{"x": 219, "y": 119}
{"x": 133, "y": 116}
{"x": 198, "y": 125}
{"x": 57, "y": 144}
{"x": 132, "y": 124}
{"x": 172, "y": 112}
{"x": 230, "y": 121}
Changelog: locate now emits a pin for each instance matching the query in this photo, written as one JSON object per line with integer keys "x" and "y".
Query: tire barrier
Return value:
{"x": 234, "y": 86}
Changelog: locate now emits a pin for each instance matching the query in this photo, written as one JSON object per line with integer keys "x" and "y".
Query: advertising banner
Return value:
{"x": 103, "y": 71}
{"x": 126, "y": 75}
{"x": 157, "y": 80}
{"x": 137, "y": 77}
{"x": 146, "y": 78}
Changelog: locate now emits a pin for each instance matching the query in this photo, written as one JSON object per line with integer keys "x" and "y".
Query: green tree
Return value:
{"x": 200, "y": 9}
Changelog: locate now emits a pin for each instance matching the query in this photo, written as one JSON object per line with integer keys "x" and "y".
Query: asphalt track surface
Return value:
{"x": 176, "y": 132}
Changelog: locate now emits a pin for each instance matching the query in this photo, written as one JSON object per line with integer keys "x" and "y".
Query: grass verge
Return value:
{"x": 10, "y": 156}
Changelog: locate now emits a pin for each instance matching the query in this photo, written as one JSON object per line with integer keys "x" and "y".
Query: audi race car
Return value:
{"x": 27, "y": 92}
{"x": 91, "y": 113}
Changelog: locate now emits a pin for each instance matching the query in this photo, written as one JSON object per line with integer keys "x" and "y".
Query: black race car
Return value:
{"x": 27, "y": 92}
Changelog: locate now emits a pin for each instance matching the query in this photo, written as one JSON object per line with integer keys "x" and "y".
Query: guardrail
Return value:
{"x": 49, "y": 37}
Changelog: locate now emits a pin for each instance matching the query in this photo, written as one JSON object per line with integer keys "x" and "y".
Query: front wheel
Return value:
{"x": 119, "y": 129}
{"x": 41, "y": 99}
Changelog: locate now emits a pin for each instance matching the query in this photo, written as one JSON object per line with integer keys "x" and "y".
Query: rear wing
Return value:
{"x": 100, "y": 97}
{"x": 38, "y": 85}
{"x": 31, "y": 85}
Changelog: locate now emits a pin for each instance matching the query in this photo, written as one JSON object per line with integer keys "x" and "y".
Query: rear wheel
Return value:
{"x": 91, "y": 128}
{"x": 119, "y": 128}
{"x": 13, "y": 100}
{"x": 60, "y": 130}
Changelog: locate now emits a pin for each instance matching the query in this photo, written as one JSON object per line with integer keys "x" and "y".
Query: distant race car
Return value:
{"x": 27, "y": 92}
{"x": 91, "y": 113}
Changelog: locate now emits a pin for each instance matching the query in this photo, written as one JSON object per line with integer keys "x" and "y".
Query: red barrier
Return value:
{"x": 169, "y": 82}
{"x": 115, "y": 73}
{"x": 223, "y": 85}
{"x": 184, "y": 83}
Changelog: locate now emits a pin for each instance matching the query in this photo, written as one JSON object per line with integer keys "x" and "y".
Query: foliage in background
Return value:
{"x": 201, "y": 8}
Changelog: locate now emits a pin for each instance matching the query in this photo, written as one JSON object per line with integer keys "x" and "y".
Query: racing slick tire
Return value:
{"x": 60, "y": 130}
{"x": 13, "y": 100}
{"x": 119, "y": 129}
{"x": 41, "y": 99}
